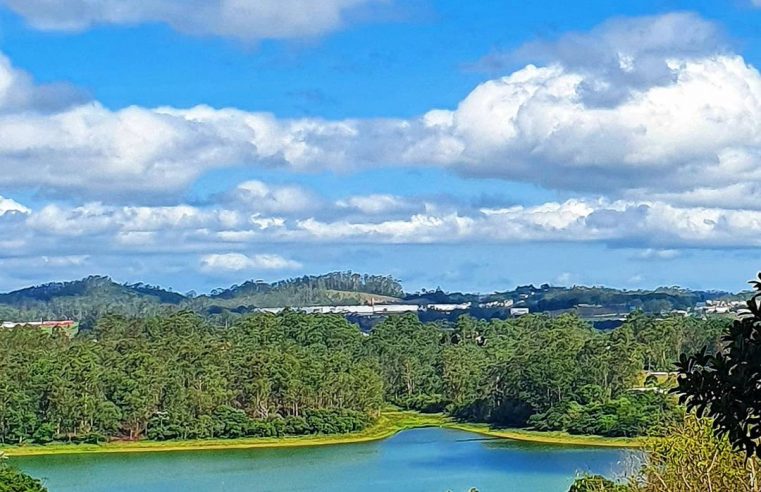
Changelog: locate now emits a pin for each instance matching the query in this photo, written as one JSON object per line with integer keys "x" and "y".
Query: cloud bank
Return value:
{"x": 687, "y": 125}
{"x": 247, "y": 20}
{"x": 656, "y": 134}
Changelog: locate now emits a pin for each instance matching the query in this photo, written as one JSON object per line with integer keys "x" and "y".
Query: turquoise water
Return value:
{"x": 419, "y": 460}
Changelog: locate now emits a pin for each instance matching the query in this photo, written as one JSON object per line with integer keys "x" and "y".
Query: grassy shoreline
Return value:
{"x": 551, "y": 438}
{"x": 389, "y": 423}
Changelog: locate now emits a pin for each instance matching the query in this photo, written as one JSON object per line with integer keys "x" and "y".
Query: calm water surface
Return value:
{"x": 419, "y": 460}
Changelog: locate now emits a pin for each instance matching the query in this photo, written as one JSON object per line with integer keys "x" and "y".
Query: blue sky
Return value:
{"x": 468, "y": 145}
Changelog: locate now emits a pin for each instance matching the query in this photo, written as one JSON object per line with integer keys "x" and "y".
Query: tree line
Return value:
{"x": 550, "y": 373}
{"x": 179, "y": 376}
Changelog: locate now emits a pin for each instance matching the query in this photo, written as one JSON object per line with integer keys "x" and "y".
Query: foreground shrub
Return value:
{"x": 596, "y": 483}
{"x": 14, "y": 480}
{"x": 690, "y": 459}
{"x": 693, "y": 459}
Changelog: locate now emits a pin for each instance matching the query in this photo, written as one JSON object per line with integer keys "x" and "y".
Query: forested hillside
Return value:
{"x": 84, "y": 300}
{"x": 337, "y": 288}
{"x": 92, "y": 297}
{"x": 87, "y": 299}
{"x": 178, "y": 376}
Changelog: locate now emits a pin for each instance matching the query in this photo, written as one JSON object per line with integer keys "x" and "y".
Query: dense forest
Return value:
{"x": 179, "y": 376}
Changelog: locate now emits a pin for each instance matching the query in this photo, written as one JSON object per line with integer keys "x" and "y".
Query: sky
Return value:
{"x": 472, "y": 146}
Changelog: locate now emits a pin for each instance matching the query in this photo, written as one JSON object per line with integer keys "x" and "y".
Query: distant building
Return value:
{"x": 720, "y": 307}
{"x": 276, "y": 310}
{"x": 362, "y": 310}
{"x": 69, "y": 327}
{"x": 519, "y": 311}
{"x": 496, "y": 304}
{"x": 448, "y": 307}
{"x": 395, "y": 308}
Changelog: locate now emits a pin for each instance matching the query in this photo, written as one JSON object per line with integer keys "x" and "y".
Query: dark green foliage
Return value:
{"x": 632, "y": 414}
{"x": 382, "y": 285}
{"x": 13, "y": 480}
{"x": 550, "y": 373}
{"x": 408, "y": 353}
{"x": 85, "y": 300}
{"x": 177, "y": 377}
{"x": 596, "y": 483}
{"x": 727, "y": 385}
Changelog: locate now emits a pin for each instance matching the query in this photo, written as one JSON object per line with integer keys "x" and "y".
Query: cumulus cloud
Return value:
{"x": 237, "y": 262}
{"x": 96, "y": 218}
{"x": 8, "y": 206}
{"x": 19, "y": 92}
{"x": 61, "y": 236}
{"x": 533, "y": 125}
{"x": 656, "y": 225}
{"x": 258, "y": 196}
{"x": 731, "y": 196}
{"x": 665, "y": 156}
{"x": 622, "y": 54}
{"x": 685, "y": 129}
{"x": 242, "y": 19}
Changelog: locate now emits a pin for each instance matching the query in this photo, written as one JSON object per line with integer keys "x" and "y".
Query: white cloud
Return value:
{"x": 12, "y": 206}
{"x": 660, "y": 230}
{"x": 242, "y": 19}
{"x": 672, "y": 163}
{"x": 636, "y": 279}
{"x": 19, "y": 92}
{"x": 684, "y": 138}
{"x": 621, "y": 54}
{"x": 731, "y": 196}
{"x": 658, "y": 254}
{"x": 261, "y": 197}
{"x": 64, "y": 261}
{"x": 375, "y": 203}
{"x": 88, "y": 219}
{"x": 656, "y": 225}
{"x": 533, "y": 126}
{"x": 237, "y": 262}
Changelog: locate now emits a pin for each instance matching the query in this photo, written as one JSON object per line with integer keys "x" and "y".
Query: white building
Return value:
{"x": 448, "y": 307}
{"x": 519, "y": 311}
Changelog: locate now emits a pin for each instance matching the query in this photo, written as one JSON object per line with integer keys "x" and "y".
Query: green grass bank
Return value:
{"x": 389, "y": 423}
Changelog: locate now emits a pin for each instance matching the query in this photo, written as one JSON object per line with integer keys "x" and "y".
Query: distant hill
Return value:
{"x": 600, "y": 300}
{"x": 93, "y": 286}
{"x": 88, "y": 298}
{"x": 95, "y": 295}
{"x": 548, "y": 298}
{"x": 337, "y": 288}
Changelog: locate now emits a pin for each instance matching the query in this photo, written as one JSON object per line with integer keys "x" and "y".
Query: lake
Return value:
{"x": 418, "y": 460}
